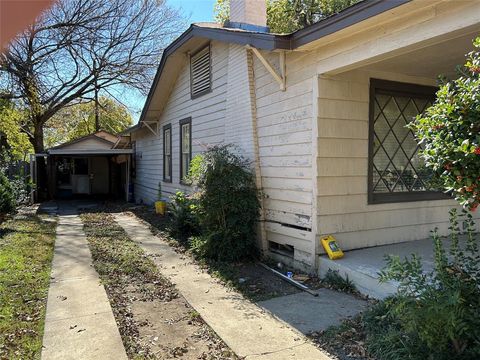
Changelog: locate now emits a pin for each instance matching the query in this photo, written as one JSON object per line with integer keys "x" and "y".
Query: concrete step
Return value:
{"x": 362, "y": 266}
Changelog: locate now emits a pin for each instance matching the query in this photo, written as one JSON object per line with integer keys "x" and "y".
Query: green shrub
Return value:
{"x": 386, "y": 338}
{"x": 334, "y": 280}
{"x": 437, "y": 310}
{"x": 7, "y": 196}
{"x": 228, "y": 205}
{"x": 183, "y": 219}
{"x": 449, "y": 132}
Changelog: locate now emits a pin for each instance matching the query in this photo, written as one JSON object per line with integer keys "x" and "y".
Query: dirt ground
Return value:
{"x": 258, "y": 283}
{"x": 173, "y": 329}
{"x": 344, "y": 342}
{"x": 154, "y": 320}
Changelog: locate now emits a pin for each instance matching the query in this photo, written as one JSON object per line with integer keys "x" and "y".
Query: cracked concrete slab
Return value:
{"x": 79, "y": 322}
{"x": 247, "y": 329}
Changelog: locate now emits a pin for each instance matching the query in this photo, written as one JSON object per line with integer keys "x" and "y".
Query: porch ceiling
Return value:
{"x": 429, "y": 62}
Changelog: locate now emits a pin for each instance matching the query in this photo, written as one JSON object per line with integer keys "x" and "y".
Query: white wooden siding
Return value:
{"x": 208, "y": 128}
{"x": 284, "y": 121}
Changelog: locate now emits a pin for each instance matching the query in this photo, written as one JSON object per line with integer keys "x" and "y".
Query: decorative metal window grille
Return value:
{"x": 200, "y": 72}
{"x": 397, "y": 171}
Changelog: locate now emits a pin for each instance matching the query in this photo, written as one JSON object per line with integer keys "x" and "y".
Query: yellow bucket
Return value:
{"x": 160, "y": 207}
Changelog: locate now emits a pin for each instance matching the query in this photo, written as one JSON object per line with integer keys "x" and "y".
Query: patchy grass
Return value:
{"x": 26, "y": 252}
{"x": 155, "y": 322}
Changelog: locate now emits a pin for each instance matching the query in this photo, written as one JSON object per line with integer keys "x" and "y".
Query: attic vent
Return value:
{"x": 200, "y": 72}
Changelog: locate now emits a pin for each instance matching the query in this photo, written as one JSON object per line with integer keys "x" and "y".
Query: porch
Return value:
{"x": 375, "y": 193}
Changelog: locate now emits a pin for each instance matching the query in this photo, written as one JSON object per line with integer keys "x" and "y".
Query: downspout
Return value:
{"x": 256, "y": 151}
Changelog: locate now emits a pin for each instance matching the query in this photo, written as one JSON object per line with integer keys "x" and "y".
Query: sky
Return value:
{"x": 194, "y": 11}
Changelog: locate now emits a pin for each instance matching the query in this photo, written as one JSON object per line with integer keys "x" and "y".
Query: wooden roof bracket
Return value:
{"x": 147, "y": 124}
{"x": 280, "y": 78}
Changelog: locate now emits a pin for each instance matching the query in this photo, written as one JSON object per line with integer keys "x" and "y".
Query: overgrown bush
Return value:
{"x": 228, "y": 204}
{"x": 435, "y": 314}
{"x": 7, "y": 196}
{"x": 449, "y": 132}
{"x": 183, "y": 218}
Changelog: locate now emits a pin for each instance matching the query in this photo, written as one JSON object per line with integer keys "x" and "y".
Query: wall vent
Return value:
{"x": 281, "y": 249}
{"x": 200, "y": 72}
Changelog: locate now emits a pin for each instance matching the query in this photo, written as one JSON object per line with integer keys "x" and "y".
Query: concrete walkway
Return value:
{"x": 308, "y": 313}
{"x": 79, "y": 322}
{"x": 248, "y": 330}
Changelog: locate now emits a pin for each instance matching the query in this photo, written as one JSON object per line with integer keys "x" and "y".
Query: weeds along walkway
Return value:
{"x": 247, "y": 329}
{"x": 79, "y": 322}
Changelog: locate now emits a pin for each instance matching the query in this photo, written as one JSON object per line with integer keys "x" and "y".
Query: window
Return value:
{"x": 167, "y": 153}
{"x": 185, "y": 147}
{"x": 396, "y": 171}
{"x": 200, "y": 73}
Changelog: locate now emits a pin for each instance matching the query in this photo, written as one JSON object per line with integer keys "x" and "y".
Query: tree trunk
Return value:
{"x": 38, "y": 146}
{"x": 37, "y": 140}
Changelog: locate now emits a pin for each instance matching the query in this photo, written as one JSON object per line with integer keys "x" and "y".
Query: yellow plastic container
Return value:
{"x": 331, "y": 247}
{"x": 161, "y": 207}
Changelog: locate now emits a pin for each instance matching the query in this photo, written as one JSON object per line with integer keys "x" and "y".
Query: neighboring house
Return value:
{"x": 96, "y": 165}
{"x": 321, "y": 112}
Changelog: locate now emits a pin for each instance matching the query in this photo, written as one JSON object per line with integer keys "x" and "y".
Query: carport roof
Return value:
{"x": 98, "y": 143}
{"x": 90, "y": 152}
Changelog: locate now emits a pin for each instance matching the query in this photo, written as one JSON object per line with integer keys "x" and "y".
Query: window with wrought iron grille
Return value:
{"x": 200, "y": 72}
{"x": 396, "y": 170}
{"x": 167, "y": 153}
{"x": 185, "y": 147}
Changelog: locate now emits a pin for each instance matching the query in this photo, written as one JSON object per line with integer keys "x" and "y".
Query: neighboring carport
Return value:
{"x": 94, "y": 166}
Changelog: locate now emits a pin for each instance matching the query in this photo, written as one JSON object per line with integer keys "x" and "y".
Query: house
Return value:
{"x": 321, "y": 112}
{"x": 96, "y": 165}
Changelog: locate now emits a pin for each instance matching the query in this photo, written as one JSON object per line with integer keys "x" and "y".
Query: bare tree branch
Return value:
{"x": 57, "y": 61}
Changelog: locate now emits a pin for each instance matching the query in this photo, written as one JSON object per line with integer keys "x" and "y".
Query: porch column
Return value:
{"x": 127, "y": 179}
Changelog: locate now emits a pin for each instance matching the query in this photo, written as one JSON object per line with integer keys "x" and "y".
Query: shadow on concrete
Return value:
{"x": 308, "y": 313}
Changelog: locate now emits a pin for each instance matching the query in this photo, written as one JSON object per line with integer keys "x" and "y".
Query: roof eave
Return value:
{"x": 259, "y": 40}
{"x": 350, "y": 16}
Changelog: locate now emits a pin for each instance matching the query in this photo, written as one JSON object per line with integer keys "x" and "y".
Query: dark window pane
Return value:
{"x": 396, "y": 164}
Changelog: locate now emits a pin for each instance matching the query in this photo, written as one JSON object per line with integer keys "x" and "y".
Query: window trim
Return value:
{"x": 184, "y": 122}
{"x": 209, "y": 90}
{"x": 165, "y": 179}
{"x": 402, "y": 89}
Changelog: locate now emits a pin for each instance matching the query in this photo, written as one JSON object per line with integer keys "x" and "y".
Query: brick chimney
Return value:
{"x": 248, "y": 15}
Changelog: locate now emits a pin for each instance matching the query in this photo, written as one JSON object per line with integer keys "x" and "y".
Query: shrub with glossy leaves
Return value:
{"x": 450, "y": 133}
{"x": 228, "y": 204}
